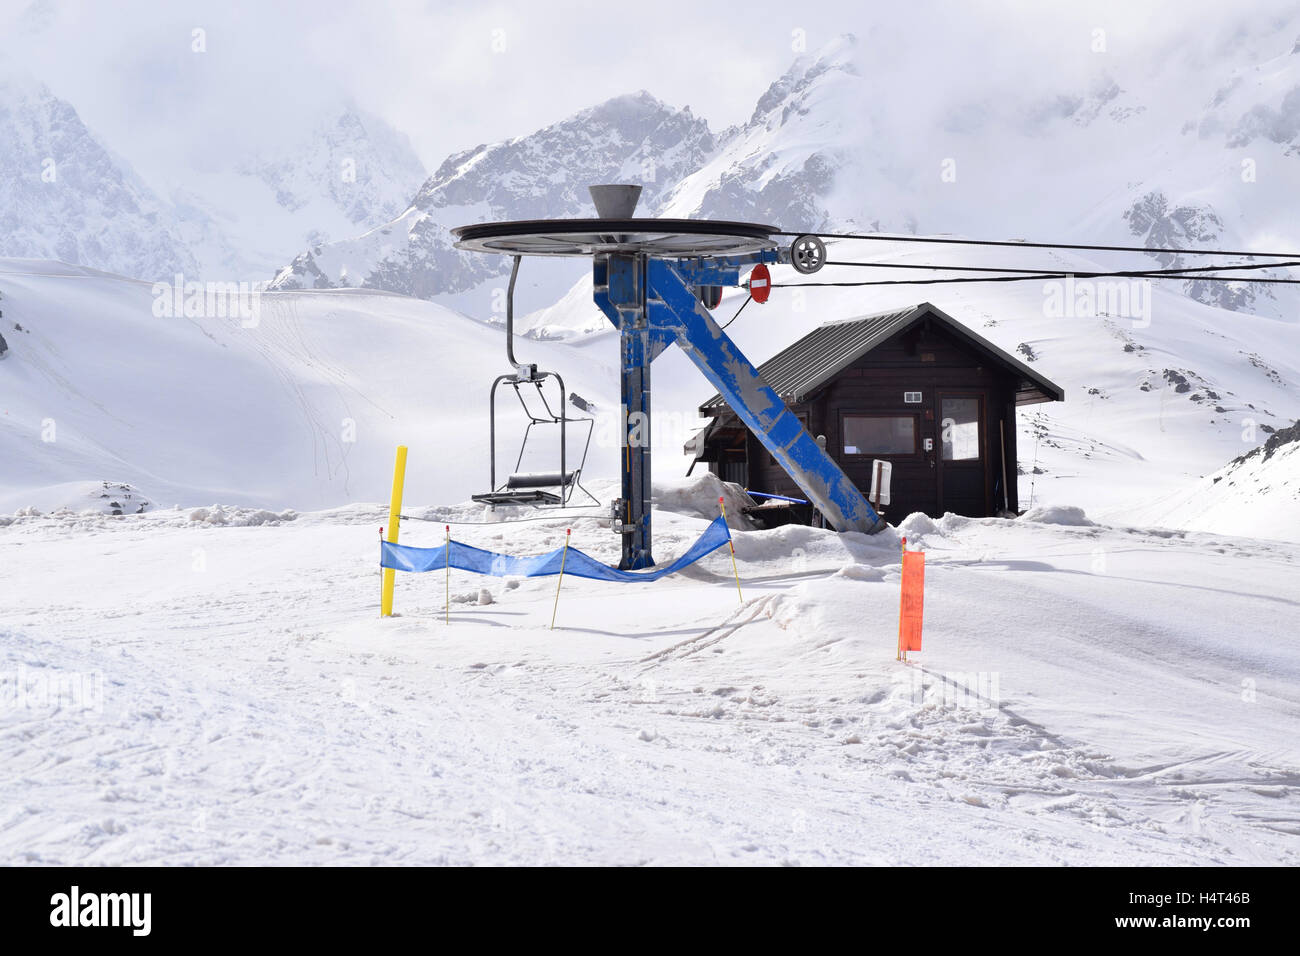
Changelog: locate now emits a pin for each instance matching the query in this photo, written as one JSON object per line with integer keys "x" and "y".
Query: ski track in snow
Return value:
{"x": 259, "y": 711}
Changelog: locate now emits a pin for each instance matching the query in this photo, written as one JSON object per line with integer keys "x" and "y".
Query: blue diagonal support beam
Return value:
{"x": 672, "y": 305}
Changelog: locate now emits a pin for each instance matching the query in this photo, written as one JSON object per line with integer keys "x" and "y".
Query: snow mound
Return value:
{"x": 100, "y": 497}
{"x": 697, "y": 497}
{"x": 951, "y": 522}
{"x": 1058, "y": 514}
{"x": 239, "y": 517}
{"x": 860, "y": 572}
{"x": 919, "y": 523}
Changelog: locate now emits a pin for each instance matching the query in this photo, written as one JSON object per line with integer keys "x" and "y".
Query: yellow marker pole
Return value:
{"x": 898, "y": 654}
{"x": 723, "y": 505}
{"x": 447, "y": 554}
{"x": 394, "y": 517}
{"x": 563, "y": 558}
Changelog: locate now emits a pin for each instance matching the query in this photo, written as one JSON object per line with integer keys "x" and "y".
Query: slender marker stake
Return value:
{"x": 394, "y": 526}
{"x": 563, "y": 558}
{"x": 447, "y": 555}
{"x": 723, "y": 505}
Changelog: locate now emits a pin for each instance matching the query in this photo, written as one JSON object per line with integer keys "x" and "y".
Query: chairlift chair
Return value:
{"x": 537, "y": 488}
{"x": 540, "y": 489}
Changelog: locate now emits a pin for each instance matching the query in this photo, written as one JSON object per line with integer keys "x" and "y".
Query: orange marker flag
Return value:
{"x": 911, "y": 602}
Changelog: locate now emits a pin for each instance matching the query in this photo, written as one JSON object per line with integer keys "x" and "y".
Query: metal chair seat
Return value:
{"x": 540, "y": 479}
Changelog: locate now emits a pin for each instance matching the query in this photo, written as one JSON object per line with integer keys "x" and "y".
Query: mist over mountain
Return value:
{"x": 64, "y": 195}
{"x": 1185, "y": 157}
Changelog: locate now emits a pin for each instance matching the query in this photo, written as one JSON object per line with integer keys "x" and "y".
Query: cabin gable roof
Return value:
{"x": 800, "y": 369}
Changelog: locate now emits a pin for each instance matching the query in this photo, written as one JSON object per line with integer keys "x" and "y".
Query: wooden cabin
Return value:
{"x": 882, "y": 387}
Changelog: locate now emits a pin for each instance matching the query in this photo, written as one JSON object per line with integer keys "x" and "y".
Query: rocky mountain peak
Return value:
{"x": 633, "y": 137}
{"x": 1159, "y": 223}
{"x": 63, "y": 195}
{"x": 785, "y": 95}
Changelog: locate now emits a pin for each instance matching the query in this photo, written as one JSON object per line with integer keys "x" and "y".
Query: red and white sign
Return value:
{"x": 760, "y": 283}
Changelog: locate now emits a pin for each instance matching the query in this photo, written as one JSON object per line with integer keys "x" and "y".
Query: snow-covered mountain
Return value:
{"x": 844, "y": 139}
{"x": 64, "y": 195}
{"x": 633, "y": 138}
{"x": 1165, "y": 160}
{"x": 847, "y": 139}
{"x": 781, "y": 167}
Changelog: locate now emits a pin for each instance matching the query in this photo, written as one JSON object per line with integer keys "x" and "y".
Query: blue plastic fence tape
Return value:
{"x": 401, "y": 557}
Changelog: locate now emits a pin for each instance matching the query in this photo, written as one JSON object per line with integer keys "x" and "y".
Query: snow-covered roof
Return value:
{"x": 798, "y": 370}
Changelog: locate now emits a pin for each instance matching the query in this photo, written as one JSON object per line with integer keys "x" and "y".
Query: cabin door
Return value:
{"x": 963, "y": 454}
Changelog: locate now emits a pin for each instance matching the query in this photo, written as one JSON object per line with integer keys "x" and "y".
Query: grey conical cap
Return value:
{"x": 615, "y": 201}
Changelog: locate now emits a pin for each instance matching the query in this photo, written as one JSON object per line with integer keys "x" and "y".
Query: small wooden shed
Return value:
{"x": 913, "y": 387}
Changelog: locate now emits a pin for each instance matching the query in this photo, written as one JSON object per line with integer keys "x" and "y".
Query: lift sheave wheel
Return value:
{"x": 807, "y": 254}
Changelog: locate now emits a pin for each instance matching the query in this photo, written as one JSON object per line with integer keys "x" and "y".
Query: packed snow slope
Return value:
{"x": 297, "y": 403}
{"x": 1257, "y": 494}
{"x": 1086, "y": 695}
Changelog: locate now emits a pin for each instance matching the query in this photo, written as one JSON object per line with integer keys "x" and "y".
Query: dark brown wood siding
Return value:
{"x": 931, "y": 362}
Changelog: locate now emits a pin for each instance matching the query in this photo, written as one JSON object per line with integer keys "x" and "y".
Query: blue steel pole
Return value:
{"x": 636, "y": 448}
{"x": 620, "y": 291}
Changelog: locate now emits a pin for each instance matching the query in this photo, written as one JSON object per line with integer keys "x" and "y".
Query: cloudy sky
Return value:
{"x": 452, "y": 73}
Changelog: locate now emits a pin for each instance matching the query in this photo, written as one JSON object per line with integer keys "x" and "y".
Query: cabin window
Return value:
{"x": 879, "y": 434}
{"x": 960, "y": 428}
